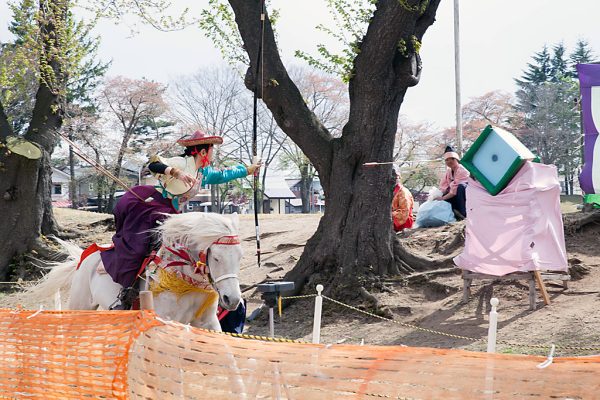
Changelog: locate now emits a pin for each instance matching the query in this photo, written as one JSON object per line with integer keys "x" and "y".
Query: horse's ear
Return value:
{"x": 236, "y": 221}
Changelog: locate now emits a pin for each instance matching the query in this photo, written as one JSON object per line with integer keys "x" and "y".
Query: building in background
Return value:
{"x": 60, "y": 188}
{"x": 277, "y": 193}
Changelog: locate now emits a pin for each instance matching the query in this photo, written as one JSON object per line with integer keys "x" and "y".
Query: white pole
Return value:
{"x": 459, "y": 132}
{"x": 491, "y": 346}
{"x": 316, "y": 336}
{"x": 271, "y": 323}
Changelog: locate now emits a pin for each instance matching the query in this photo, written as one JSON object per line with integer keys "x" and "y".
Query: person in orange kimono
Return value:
{"x": 402, "y": 206}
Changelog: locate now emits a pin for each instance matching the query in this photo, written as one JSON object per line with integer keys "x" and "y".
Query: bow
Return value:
{"x": 257, "y": 85}
{"x": 100, "y": 168}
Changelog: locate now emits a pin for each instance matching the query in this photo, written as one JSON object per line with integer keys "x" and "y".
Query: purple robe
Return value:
{"x": 133, "y": 221}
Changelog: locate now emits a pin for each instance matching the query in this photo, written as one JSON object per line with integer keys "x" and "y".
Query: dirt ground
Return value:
{"x": 431, "y": 302}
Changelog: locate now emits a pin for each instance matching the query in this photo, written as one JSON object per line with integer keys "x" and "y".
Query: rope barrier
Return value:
{"x": 403, "y": 323}
{"x": 258, "y": 337}
{"x": 450, "y": 335}
{"x": 304, "y": 296}
{"x": 238, "y": 335}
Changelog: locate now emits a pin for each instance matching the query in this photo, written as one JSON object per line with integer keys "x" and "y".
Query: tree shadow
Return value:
{"x": 452, "y": 329}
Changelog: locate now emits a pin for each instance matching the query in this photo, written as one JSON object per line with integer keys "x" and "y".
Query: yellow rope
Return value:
{"x": 169, "y": 281}
{"x": 504, "y": 342}
{"x": 256, "y": 337}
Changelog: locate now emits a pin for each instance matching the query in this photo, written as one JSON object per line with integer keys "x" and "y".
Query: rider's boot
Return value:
{"x": 126, "y": 298}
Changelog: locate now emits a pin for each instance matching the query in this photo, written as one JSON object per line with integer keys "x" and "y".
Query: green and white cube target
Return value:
{"x": 495, "y": 158}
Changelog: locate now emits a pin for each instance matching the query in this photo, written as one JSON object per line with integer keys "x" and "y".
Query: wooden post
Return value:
{"x": 146, "y": 300}
{"x": 532, "y": 295}
{"x": 540, "y": 282}
{"x": 466, "y": 289}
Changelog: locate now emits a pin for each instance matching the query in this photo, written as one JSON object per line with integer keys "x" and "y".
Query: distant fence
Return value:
{"x": 131, "y": 354}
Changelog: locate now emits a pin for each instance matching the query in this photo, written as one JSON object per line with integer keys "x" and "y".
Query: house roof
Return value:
{"x": 277, "y": 188}
{"x": 292, "y": 181}
{"x": 59, "y": 176}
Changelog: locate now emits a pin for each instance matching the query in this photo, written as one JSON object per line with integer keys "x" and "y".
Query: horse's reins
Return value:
{"x": 201, "y": 266}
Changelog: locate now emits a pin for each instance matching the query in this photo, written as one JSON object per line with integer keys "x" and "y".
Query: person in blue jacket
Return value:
{"x": 179, "y": 179}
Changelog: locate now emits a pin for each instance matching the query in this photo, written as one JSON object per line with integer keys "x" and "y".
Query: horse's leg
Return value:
{"x": 208, "y": 319}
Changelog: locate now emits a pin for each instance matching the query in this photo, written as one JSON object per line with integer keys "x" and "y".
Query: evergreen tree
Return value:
{"x": 19, "y": 62}
{"x": 37, "y": 71}
{"x": 558, "y": 64}
{"x": 582, "y": 54}
{"x": 537, "y": 72}
{"x": 547, "y": 94}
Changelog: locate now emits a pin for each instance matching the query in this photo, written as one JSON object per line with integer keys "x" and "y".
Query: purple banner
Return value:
{"x": 589, "y": 80}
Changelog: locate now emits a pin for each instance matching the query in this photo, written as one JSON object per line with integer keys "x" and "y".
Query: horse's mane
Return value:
{"x": 197, "y": 230}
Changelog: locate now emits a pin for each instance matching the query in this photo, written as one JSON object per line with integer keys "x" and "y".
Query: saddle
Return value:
{"x": 129, "y": 297}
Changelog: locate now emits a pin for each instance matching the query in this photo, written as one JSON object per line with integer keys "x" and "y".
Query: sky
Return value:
{"x": 497, "y": 40}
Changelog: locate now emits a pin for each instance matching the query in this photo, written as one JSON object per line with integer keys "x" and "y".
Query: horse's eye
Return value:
{"x": 216, "y": 259}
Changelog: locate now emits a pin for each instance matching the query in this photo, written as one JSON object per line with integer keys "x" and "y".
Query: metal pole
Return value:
{"x": 459, "y": 133}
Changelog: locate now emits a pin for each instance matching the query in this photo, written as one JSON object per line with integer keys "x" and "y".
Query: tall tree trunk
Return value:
{"x": 25, "y": 185}
{"x": 354, "y": 242}
{"x": 214, "y": 198}
{"x": 112, "y": 188}
{"x": 305, "y": 186}
{"x": 571, "y": 178}
{"x": 100, "y": 183}
{"x": 72, "y": 179}
{"x": 26, "y": 204}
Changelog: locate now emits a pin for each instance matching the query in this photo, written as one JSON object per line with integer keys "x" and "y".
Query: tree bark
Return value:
{"x": 25, "y": 185}
{"x": 355, "y": 237}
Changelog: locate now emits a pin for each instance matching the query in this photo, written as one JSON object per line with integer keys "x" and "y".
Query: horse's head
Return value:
{"x": 211, "y": 239}
{"x": 223, "y": 260}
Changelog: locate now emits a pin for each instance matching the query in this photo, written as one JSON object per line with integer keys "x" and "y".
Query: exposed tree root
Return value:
{"x": 376, "y": 307}
{"x": 417, "y": 262}
{"x": 575, "y": 221}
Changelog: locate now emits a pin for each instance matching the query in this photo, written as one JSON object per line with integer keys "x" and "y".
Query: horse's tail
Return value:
{"x": 60, "y": 275}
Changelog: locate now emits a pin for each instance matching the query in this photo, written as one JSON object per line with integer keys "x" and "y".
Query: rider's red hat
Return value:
{"x": 199, "y": 137}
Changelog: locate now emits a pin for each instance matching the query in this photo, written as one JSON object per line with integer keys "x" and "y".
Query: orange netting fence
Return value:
{"x": 133, "y": 355}
{"x": 67, "y": 355}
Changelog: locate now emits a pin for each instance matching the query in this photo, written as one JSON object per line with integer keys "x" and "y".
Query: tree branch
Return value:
{"x": 47, "y": 115}
{"x": 390, "y": 23}
{"x": 279, "y": 92}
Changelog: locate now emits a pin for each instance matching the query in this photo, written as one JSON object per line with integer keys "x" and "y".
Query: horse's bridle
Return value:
{"x": 202, "y": 266}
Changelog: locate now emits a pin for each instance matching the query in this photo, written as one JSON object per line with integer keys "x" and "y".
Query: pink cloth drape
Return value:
{"x": 519, "y": 229}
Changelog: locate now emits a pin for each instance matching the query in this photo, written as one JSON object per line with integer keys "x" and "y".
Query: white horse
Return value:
{"x": 199, "y": 262}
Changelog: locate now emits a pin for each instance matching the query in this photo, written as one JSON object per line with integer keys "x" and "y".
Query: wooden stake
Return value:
{"x": 146, "y": 300}
{"x": 540, "y": 282}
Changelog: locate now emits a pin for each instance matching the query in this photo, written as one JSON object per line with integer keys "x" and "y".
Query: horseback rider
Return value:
{"x": 137, "y": 214}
